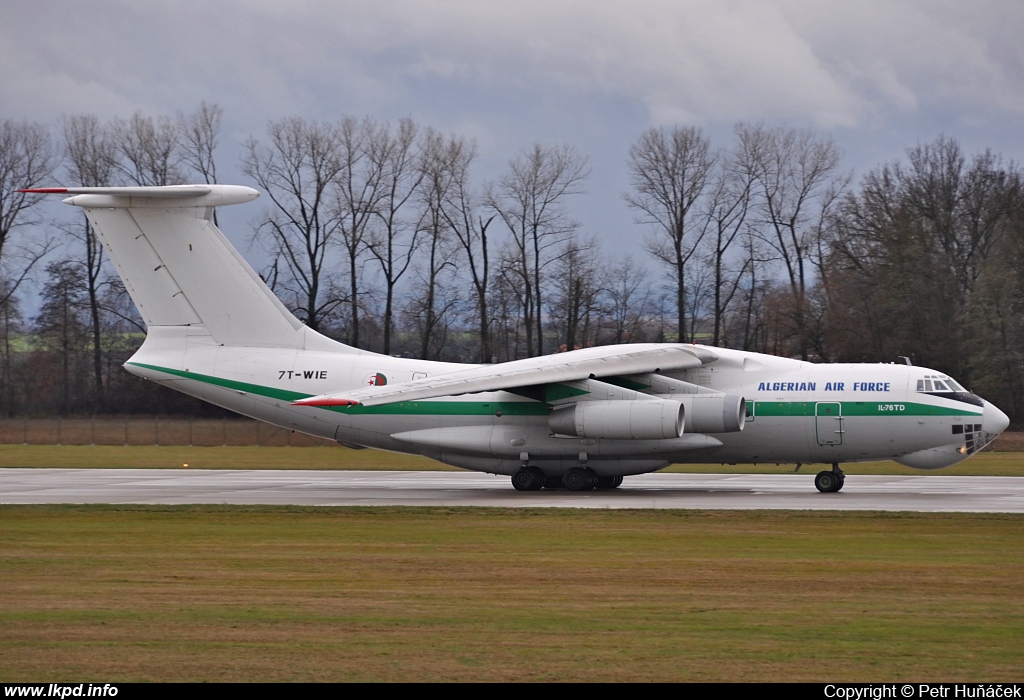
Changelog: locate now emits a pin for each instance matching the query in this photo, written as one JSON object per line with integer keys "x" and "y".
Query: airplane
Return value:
{"x": 580, "y": 420}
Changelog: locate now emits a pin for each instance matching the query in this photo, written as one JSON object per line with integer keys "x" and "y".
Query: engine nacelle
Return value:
{"x": 714, "y": 413}
{"x": 654, "y": 419}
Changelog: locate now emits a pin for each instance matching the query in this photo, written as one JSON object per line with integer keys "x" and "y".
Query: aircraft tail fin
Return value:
{"x": 181, "y": 271}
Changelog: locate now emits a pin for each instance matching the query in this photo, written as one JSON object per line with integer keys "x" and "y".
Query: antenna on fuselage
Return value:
{"x": 906, "y": 360}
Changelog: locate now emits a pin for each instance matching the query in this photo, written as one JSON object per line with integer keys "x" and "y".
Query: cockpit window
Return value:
{"x": 934, "y": 383}
{"x": 944, "y": 387}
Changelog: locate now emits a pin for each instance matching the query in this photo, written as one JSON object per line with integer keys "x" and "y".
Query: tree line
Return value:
{"x": 381, "y": 235}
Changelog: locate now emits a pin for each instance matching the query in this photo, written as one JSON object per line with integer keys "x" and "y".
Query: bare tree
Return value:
{"x": 575, "y": 289}
{"x": 200, "y": 132}
{"x": 749, "y": 322}
{"x": 629, "y": 300}
{"x": 797, "y": 183}
{"x": 728, "y": 204}
{"x": 355, "y": 200}
{"x": 506, "y": 302}
{"x": 530, "y": 200}
{"x": 392, "y": 240}
{"x": 669, "y": 171}
{"x": 89, "y": 157}
{"x": 964, "y": 207}
{"x": 461, "y": 210}
{"x": 438, "y": 164}
{"x": 27, "y": 160}
{"x": 297, "y": 169}
{"x": 147, "y": 150}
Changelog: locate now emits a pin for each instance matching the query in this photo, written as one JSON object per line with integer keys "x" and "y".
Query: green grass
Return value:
{"x": 207, "y": 593}
{"x": 150, "y": 457}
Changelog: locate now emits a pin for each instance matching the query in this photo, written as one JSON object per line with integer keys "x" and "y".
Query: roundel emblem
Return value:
{"x": 377, "y": 379}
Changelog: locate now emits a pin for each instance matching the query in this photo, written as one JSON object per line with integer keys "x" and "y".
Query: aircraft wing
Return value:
{"x": 589, "y": 363}
{"x": 172, "y": 191}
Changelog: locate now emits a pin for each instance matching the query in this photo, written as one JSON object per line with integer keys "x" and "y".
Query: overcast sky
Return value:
{"x": 876, "y": 75}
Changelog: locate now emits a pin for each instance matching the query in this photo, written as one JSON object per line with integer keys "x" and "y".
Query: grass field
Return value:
{"x": 123, "y": 593}
{"x": 120, "y": 457}
{"x": 109, "y": 593}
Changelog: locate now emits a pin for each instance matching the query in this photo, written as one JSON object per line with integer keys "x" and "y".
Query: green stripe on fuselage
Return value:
{"x": 258, "y": 389}
{"x": 888, "y": 409}
{"x": 419, "y": 408}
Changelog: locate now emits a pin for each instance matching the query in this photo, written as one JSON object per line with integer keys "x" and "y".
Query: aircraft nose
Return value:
{"x": 994, "y": 421}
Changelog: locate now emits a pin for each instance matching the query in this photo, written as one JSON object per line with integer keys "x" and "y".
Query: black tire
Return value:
{"x": 609, "y": 482}
{"x": 827, "y": 482}
{"x": 577, "y": 479}
{"x": 527, "y": 479}
{"x": 522, "y": 479}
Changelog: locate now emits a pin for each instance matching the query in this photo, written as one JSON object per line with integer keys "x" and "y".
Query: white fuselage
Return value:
{"x": 797, "y": 411}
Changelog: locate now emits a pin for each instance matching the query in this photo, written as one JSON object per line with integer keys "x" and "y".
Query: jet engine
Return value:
{"x": 714, "y": 413}
{"x": 653, "y": 419}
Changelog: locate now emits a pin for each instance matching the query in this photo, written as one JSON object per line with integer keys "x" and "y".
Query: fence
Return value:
{"x": 149, "y": 430}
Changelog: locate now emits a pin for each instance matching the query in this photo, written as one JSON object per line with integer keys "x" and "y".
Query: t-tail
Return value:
{"x": 189, "y": 283}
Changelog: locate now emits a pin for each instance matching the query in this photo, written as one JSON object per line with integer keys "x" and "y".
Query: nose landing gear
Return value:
{"x": 830, "y": 482}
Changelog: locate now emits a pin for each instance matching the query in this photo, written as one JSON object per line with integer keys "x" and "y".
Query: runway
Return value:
{"x": 976, "y": 494}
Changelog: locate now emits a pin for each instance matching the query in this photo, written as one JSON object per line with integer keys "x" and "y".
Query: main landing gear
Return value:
{"x": 575, "y": 479}
{"x": 584, "y": 479}
{"x": 830, "y": 482}
{"x": 528, "y": 479}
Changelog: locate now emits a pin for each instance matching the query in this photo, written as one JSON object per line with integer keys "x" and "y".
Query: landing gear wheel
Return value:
{"x": 609, "y": 482}
{"x": 553, "y": 482}
{"x": 829, "y": 482}
{"x": 578, "y": 479}
{"x": 528, "y": 479}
